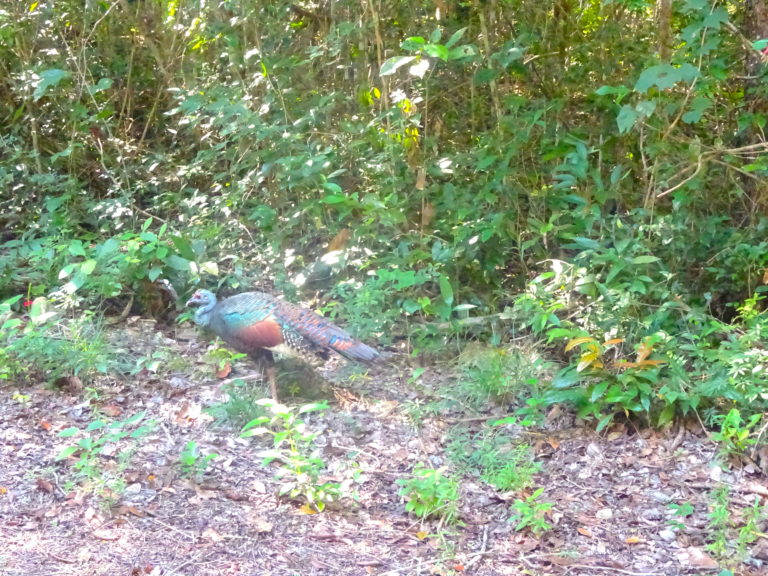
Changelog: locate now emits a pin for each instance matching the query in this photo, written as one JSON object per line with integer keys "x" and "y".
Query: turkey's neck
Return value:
{"x": 203, "y": 314}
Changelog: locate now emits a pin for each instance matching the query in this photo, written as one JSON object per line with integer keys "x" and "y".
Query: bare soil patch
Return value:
{"x": 611, "y": 493}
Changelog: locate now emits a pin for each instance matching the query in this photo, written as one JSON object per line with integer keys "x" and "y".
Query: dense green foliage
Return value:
{"x": 597, "y": 170}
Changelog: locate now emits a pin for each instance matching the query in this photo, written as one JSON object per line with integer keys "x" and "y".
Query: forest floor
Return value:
{"x": 611, "y": 493}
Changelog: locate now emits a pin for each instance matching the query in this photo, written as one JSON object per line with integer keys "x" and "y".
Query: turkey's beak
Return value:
{"x": 192, "y": 302}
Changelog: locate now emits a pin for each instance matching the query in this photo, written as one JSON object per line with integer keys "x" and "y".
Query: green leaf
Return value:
{"x": 313, "y": 407}
{"x": 184, "y": 247}
{"x": 646, "y": 259}
{"x": 460, "y": 52}
{"x": 391, "y": 65}
{"x": 135, "y": 418}
{"x": 598, "y": 391}
{"x": 103, "y": 84}
{"x": 332, "y": 187}
{"x": 177, "y": 263}
{"x": 88, "y": 266}
{"x": 410, "y": 306}
{"x": 334, "y": 199}
{"x": 11, "y": 324}
{"x": 49, "y": 79}
{"x": 699, "y": 105}
{"x": 665, "y": 76}
{"x": 67, "y": 452}
{"x": 413, "y": 43}
{"x": 645, "y": 108}
{"x": 586, "y": 243}
{"x": 96, "y": 425}
{"x": 75, "y": 248}
{"x": 437, "y": 51}
{"x": 455, "y": 37}
{"x": 626, "y": 118}
{"x": 68, "y": 432}
{"x": 603, "y": 422}
{"x": 446, "y": 290}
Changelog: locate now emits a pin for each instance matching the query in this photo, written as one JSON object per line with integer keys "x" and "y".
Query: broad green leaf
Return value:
{"x": 11, "y": 324}
{"x": 334, "y": 199}
{"x": 178, "y": 263}
{"x": 466, "y": 51}
{"x": 184, "y": 247}
{"x": 436, "y": 51}
{"x": 67, "y": 452}
{"x": 665, "y": 76}
{"x": 88, "y": 266}
{"x": 332, "y": 187}
{"x": 645, "y": 259}
{"x": 645, "y": 108}
{"x": 603, "y": 422}
{"x": 413, "y": 43}
{"x": 598, "y": 391}
{"x": 391, "y": 65}
{"x": 626, "y": 118}
{"x": 313, "y": 407}
{"x": 103, "y": 84}
{"x": 455, "y": 37}
{"x": 446, "y": 290}
{"x": 49, "y": 79}
{"x": 66, "y": 271}
{"x": 76, "y": 248}
{"x": 699, "y": 105}
{"x": 586, "y": 243}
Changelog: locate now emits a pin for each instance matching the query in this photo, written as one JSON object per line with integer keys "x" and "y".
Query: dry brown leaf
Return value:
{"x": 427, "y": 214}
{"x": 261, "y": 525}
{"x": 340, "y": 240}
{"x": 212, "y": 535}
{"x": 131, "y": 510}
{"x": 188, "y": 411}
{"x": 44, "y": 486}
{"x": 112, "y": 410}
{"x": 421, "y": 179}
{"x": 307, "y": 509}
{"x": 224, "y": 371}
{"x": 633, "y": 540}
{"x": 696, "y": 558}
{"x": 235, "y": 496}
{"x": 584, "y": 532}
{"x": 45, "y": 425}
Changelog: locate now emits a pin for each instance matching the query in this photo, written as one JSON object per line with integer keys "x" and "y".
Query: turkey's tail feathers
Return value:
{"x": 354, "y": 350}
{"x": 324, "y": 334}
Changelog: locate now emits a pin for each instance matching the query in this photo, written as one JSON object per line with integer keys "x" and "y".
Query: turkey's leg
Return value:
{"x": 272, "y": 377}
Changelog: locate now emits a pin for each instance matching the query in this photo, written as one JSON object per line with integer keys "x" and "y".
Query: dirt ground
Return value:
{"x": 611, "y": 492}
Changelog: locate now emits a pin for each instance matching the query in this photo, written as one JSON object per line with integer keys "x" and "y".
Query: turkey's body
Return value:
{"x": 252, "y": 322}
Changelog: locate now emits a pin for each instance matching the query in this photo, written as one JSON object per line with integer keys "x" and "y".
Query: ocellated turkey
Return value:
{"x": 258, "y": 324}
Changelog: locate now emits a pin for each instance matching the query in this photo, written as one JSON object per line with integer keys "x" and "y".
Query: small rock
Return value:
{"x": 667, "y": 535}
{"x": 604, "y": 514}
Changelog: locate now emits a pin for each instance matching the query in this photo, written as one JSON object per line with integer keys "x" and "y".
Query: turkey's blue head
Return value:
{"x": 205, "y": 302}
